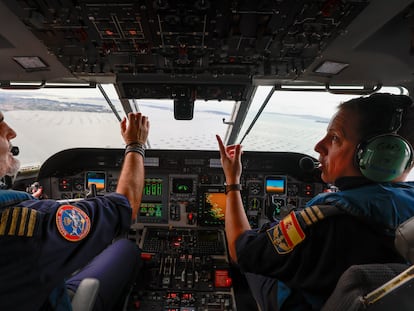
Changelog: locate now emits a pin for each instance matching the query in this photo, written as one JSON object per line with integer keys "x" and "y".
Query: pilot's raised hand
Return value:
{"x": 230, "y": 157}
{"x": 36, "y": 190}
{"x": 135, "y": 129}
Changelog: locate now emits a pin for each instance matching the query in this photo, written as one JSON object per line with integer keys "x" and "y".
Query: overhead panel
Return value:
{"x": 171, "y": 41}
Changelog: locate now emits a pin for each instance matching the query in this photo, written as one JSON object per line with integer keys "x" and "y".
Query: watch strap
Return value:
{"x": 232, "y": 187}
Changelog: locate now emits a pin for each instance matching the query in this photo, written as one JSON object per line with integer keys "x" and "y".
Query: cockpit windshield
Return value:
{"x": 49, "y": 120}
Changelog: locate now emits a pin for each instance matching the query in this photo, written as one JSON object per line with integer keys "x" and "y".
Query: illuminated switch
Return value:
{"x": 308, "y": 190}
{"x": 222, "y": 279}
{"x": 65, "y": 184}
{"x": 190, "y": 218}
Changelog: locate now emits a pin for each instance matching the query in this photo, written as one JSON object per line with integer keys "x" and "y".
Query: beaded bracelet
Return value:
{"x": 135, "y": 143}
{"x": 135, "y": 147}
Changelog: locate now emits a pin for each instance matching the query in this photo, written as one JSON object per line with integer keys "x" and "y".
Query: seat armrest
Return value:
{"x": 404, "y": 239}
{"x": 85, "y": 296}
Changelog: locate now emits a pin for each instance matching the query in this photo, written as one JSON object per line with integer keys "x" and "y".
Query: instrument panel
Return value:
{"x": 186, "y": 188}
{"x": 180, "y": 225}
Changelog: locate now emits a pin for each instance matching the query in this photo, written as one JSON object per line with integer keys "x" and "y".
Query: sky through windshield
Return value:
{"x": 50, "y": 120}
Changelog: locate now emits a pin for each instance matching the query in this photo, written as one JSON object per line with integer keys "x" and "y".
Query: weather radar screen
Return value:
{"x": 212, "y": 207}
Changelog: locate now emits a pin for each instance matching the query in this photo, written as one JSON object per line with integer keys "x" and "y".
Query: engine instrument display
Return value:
{"x": 153, "y": 187}
{"x": 154, "y": 206}
{"x": 151, "y": 209}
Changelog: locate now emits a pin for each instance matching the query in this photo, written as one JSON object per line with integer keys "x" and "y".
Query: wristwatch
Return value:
{"x": 232, "y": 187}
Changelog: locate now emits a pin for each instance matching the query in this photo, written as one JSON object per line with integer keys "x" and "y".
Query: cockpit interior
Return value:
{"x": 192, "y": 53}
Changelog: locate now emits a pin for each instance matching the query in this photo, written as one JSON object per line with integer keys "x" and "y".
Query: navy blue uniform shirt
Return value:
{"x": 43, "y": 241}
{"x": 310, "y": 259}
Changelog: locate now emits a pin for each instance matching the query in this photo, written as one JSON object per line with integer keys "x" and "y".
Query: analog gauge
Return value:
{"x": 78, "y": 184}
{"x": 255, "y": 203}
{"x": 255, "y": 188}
{"x": 293, "y": 189}
{"x": 112, "y": 183}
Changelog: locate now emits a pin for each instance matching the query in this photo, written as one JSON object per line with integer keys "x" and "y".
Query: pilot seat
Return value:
{"x": 379, "y": 287}
{"x": 85, "y": 296}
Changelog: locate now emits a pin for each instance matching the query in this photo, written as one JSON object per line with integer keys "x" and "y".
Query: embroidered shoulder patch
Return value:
{"x": 73, "y": 223}
{"x": 286, "y": 234}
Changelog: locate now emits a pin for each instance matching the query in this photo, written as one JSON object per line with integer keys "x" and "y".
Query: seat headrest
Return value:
{"x": 404, "y": 239}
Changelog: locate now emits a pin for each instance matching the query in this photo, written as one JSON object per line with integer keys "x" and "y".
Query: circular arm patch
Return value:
{"x": 73, "y": 223}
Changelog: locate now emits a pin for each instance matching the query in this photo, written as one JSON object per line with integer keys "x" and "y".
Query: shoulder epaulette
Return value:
{"x": 312, "y": 214}
{"x": 290, "y": 231}
{"x": 18, "y": 221}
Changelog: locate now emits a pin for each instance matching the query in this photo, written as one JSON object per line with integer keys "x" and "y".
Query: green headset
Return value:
{"x": 384, "y": 157}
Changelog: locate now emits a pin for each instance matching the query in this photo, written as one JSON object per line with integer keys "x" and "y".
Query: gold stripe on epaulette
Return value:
{"x": 22, "y": 226}
{"x": 18, "y": 221}
{"x": 3, "y": 221}
{"x": 15, "y": 216}
{"x": 305, "y": 217}
{"x": 31, "y": 223}
{"x": 317, "y": 212}
{"x": 312, "y": 216}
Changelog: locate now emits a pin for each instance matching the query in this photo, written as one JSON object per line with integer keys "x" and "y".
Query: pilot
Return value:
{"x": 295, "y": 263}
{"x": 47, "y": 248}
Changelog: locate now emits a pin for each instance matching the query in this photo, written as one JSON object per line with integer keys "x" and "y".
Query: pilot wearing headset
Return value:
{"x": 295, "y": 263}
{"x": 47, "y": 248}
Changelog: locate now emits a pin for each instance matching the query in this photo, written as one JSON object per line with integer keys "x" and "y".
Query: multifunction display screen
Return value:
{"x": 276, "y": 184}
{"x": 97, "y": 179}
{"x": 182, "y": 185}
{"x": 212, "y": 208}
{"x": 151, "y": 209}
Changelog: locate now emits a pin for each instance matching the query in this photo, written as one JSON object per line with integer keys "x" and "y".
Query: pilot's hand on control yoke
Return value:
{"x": 231, "y": 161}
{"x": 136, "y": 129}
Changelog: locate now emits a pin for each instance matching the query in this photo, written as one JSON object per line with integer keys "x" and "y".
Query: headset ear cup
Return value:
{"x": 384, "y": 157}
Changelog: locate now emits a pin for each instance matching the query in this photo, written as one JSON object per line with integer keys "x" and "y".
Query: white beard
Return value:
{"x": 13, "y": 168}
{"x": 10, "y": 168}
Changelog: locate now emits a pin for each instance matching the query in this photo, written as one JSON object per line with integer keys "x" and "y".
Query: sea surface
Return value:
{"x": 40, "y": 134}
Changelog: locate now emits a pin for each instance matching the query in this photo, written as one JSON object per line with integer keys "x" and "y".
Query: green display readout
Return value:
{"x": 150, "y": 209}
{"x": 153, "y": 187}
